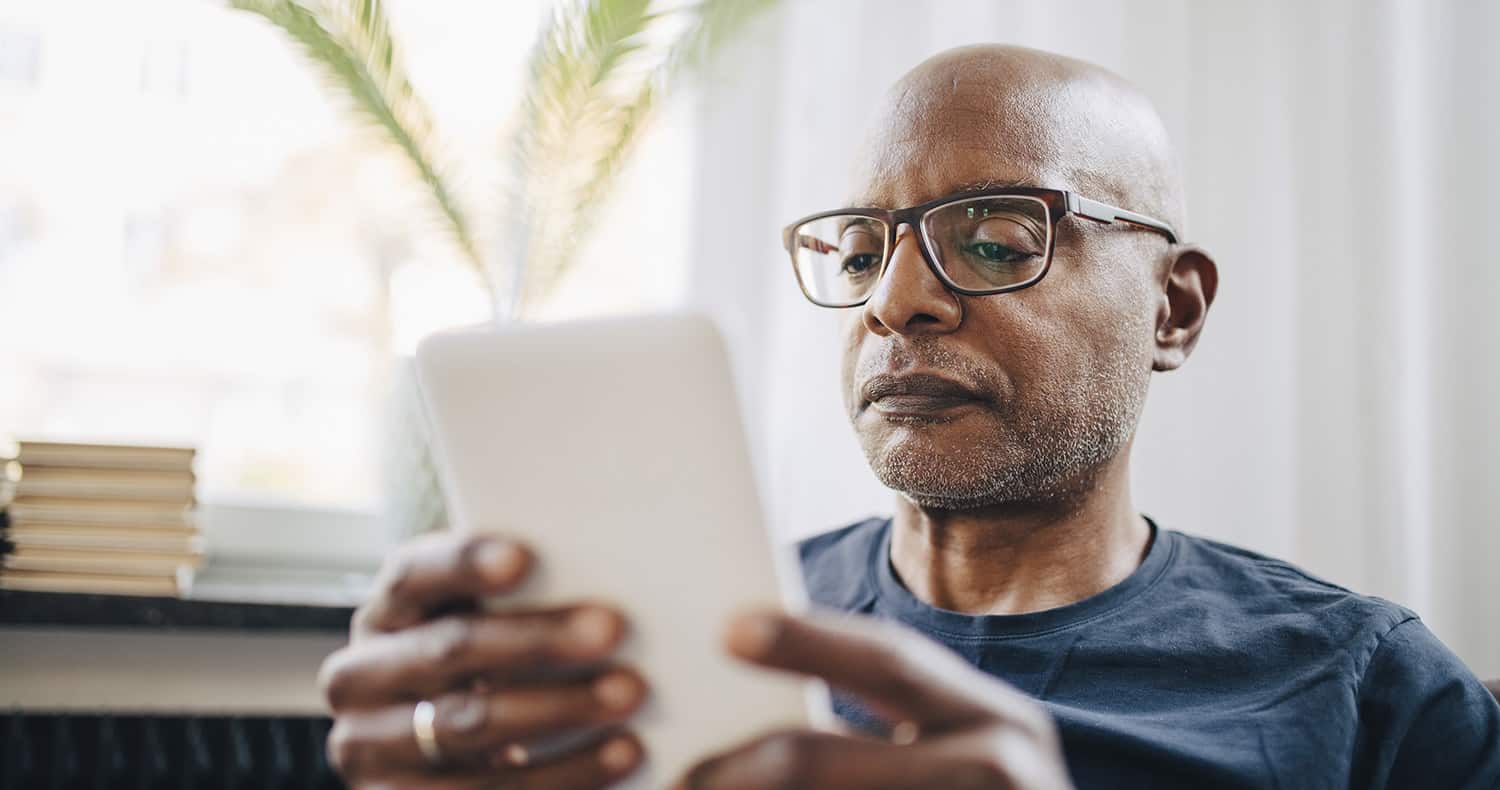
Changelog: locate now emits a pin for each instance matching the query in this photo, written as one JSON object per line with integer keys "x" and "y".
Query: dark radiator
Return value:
{"x": 72, "y": 751}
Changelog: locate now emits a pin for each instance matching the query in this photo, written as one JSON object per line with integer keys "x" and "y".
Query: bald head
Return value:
{"x": 1042, "y": 120}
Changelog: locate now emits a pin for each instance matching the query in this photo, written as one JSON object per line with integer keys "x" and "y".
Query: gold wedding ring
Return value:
{"x": 422, "y": 717}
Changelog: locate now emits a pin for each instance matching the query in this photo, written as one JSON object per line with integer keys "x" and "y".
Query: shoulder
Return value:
{"x": 1249, "y": 581}
{"x": 836, "y": 564}
{"x": 1278, "y": 611}
{"x": 825, "y": 545}
{"x": 1427, "y": 720}
{"x": 1418, "y": 704}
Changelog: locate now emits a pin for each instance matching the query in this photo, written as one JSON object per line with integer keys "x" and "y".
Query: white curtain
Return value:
{"x": 1341, "y": 162}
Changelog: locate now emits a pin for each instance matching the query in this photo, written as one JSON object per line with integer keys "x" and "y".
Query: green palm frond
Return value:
{"x": 351, "y": 40}
{"x": 572, "y": 69}
{"x": 597, "y": 78}
{"x": 717, "y": 22}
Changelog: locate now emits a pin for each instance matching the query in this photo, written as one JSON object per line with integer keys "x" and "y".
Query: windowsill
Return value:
{"x": 280, "y": 554}
{"x": 70, "y": 610}
{"x": 278, "y": 535}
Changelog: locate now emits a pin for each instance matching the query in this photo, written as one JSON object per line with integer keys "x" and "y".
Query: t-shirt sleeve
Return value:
{"x": 1425, "y": 720}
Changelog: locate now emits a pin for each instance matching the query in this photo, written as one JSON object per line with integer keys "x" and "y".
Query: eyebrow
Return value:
{"x": 991, "y": 183}
{"x": 967, "y": 186}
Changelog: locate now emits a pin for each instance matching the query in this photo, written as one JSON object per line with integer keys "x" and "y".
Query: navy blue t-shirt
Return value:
{"x": 1208, "y": 667}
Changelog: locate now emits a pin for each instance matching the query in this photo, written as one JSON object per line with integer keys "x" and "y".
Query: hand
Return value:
{"x": 956, "y": 727}
{"x": 499, "y": 681}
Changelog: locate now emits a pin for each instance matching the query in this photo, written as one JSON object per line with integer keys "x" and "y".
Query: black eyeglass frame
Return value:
{"x": 1059, "y": 203}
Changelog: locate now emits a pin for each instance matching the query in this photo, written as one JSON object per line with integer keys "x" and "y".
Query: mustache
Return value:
{"x": 923, "y": 367}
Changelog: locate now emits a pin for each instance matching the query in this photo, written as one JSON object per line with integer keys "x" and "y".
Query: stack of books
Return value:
{"x": 98, "y": 518}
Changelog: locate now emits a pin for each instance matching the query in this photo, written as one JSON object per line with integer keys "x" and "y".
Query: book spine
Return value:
{"x": 6, "y": 546}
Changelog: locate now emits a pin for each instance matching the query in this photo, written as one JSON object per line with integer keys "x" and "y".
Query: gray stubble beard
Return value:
{"x": 1051, "y": 458}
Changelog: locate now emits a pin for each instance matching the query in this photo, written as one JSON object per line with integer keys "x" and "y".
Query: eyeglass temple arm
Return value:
{"x": 1103, "y": 212}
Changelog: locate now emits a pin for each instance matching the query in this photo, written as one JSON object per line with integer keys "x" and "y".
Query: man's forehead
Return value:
{"x": 910, "y": 172}
{"x": 933, "y": 140}
{"x": 1005, "y": 116}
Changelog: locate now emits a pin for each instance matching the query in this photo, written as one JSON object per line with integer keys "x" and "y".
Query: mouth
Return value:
{"x": 917, "y": 396}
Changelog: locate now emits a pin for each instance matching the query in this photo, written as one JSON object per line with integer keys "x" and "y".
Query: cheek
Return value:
{"x": 1120, "y": 289}
{"x": 852, "y": 331}
{"x": 1122, "y": 311}
{"x": 1022, "y": 333}
{"x": 1050, "y": 341}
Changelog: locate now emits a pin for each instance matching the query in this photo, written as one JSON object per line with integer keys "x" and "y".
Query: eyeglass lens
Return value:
{"x": 980, "y": 244}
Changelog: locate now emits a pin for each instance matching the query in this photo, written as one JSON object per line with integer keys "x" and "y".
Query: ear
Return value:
{"x": 1192, "y": 280}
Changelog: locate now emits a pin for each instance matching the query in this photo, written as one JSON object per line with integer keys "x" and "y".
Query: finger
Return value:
{"x": 438, "y": 571}
{"x": 605, "y": 764}
{"x": 900, "y": 673}
{"x": 482, "y": 730}
{"x": 439, "y": 655}
{"x": 618, "y": 757}
{"x": 814, "y": 759}
{"x": 469, "y": 780}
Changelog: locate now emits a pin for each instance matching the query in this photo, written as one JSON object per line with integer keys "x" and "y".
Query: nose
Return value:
{"x": 909, "y": 299}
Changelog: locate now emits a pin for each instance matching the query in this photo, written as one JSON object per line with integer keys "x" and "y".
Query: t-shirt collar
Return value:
{"x": 892, "y": 599}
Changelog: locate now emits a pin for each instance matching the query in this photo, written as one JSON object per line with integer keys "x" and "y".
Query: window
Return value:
{"x": 20, "y": 56}
{"x": 164, "y": 69}
{"x": 199, "y": 244}
{"x": 18, "y": 229}
{"x": 216, "y": 269}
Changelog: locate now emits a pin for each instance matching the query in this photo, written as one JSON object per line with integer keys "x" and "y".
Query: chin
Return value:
{"x": 952, "y": 466}
{"x": 936, "y": 486}
{"x": 932, "y": 503}
{"x": 938, "y": 464}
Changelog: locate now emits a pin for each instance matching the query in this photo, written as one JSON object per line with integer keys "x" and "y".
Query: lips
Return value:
{"x": 917, "y": 394}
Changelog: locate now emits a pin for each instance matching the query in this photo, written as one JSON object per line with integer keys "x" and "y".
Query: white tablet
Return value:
{"x": 615, "y": 450}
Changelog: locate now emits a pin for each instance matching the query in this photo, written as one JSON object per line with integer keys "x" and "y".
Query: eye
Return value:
{"x": 993, "y": 252}
{"x": 860, "y": 246}
{"x": 861, "y": 263}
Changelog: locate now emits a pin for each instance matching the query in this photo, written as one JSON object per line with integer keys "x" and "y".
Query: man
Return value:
{"x": 1011, "y": 279}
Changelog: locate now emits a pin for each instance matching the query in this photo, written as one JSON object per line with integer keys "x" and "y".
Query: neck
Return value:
{"x": 1017, "y": 558}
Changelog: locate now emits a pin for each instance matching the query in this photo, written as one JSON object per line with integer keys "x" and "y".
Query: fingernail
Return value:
{"x": 753, "y": 634}
{"x": 618, "y": 691}
{"x": 905, "y": 733}
{"x": 591, "y": 629}
{"x": 618, "y": 755}
{"x": 513, "y": 755}
{"x": 498, "y": 561}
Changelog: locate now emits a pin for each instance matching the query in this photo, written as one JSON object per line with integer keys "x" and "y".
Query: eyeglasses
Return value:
{"x": 977, "y": 243}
